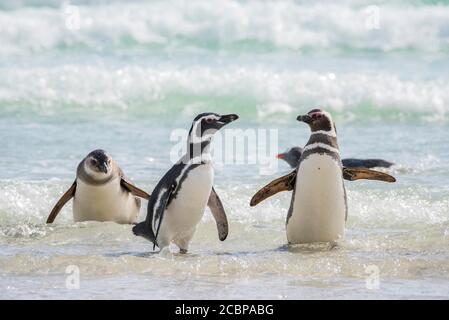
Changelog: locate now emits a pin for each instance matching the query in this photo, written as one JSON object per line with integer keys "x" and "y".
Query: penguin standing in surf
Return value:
{"x": 318, "y": 208}
{"x": 178, "y": 201}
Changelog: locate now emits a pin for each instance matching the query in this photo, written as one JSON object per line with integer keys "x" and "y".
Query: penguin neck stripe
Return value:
{"x": 322, "y": 146}
{"x": 323, "y": 138}
{"x": 327, "y": 133}
{"x": 196, "y": 132}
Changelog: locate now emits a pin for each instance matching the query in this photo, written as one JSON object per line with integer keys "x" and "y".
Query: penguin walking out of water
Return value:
{"x": 178, "y": 201}
{"x": 101, "y": 192}
{"x": 318, "y": 208}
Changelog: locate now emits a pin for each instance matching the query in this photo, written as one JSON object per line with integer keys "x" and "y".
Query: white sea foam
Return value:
{"x": 290, "y": 25}
{"x": 30, "y": 203}
{"x": 288, "y": 92}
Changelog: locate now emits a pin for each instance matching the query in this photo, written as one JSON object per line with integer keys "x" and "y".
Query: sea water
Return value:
{"x": 123, "y": 75}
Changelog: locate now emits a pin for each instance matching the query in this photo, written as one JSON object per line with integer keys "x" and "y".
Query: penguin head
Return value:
{"x": 205, "y": 125}
{"x": 318, "y": 120}
{"x": 291, "y": 156}
{"x": 98, "y": 164}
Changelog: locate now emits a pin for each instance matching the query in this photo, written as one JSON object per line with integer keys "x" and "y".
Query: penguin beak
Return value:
{"x": 281, "y": 156}
{"x": 103, "y": 167}
{"x": 305, "y": 118}
{"x": 227, "y": 118}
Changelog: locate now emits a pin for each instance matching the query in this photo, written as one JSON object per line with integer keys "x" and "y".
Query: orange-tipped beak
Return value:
{"x": 281, "y": 156}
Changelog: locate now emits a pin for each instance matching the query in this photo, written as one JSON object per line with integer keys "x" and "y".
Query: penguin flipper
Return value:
{"x": 156, "y": 208}
{"x": 366, "y": 163}
{"x": 155, "y": 211}
{"x": 285, "y": 183}
{"x": 133, "y": 189}
{"x": 352, "y": 174}
{"x": 69, "y": 194}
{"x": 216, "y": 207}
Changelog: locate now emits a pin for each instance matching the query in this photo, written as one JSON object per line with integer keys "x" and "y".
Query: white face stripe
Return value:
{"x": 194, "y": 137}
{"x": 328, "y": 115}
{"x": 332, "y": 132}
{"x": 321, "y": 145}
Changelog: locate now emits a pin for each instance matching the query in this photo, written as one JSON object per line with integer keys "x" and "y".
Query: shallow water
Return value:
{"x": 125, "y": 84}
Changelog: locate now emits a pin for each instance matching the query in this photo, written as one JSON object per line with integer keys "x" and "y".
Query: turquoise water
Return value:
{"x": 122, "y": 75}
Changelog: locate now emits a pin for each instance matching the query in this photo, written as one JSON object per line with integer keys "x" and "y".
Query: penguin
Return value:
{"x": 318, "y": 207}
{"x": 101, "y": 192}
{"x": 293, "y": 155}
{"x": 178, "y": 201}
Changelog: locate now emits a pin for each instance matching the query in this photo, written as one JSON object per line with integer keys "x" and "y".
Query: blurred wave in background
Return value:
{"x": 387, "y": 59}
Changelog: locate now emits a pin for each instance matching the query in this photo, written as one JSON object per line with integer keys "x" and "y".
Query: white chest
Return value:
{"x": 186, "y": 210}
{"x": 195, "y": 189}
{"x": 319, "y": 208}
{"x": 107, "y": 202}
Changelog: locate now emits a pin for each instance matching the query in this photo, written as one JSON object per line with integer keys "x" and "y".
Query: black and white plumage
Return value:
{"x": 178, "y": 201}
{"x": 318, "y": 207}
{"x": 293, "y": 155}
{"x": 101, "y": 192}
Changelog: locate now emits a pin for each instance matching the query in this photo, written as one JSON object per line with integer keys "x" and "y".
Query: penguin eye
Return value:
{"x": 93, "y": 162}
{"x": 209, "y": 120}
